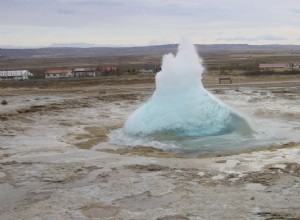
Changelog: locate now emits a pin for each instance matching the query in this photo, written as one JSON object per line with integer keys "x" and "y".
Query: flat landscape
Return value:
{"x": 228, "y": 59}
{"x": 61, "y": 159}
{"x": 149, "y": 110}
{"x": 57, "y": 160}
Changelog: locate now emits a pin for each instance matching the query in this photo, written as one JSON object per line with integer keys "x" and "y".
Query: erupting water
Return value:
{"x": 182, "y": 116}
{"x": 180, "y": 105}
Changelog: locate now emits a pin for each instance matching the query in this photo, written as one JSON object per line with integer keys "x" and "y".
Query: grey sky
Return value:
{"x": 133, "y": 22}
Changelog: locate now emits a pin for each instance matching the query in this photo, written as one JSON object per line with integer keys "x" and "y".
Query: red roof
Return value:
{"x": 62, "y": 71}
{"x": 109, "y": 69}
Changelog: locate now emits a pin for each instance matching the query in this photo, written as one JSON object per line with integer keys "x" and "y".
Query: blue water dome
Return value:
{"x": 180, "y": 105}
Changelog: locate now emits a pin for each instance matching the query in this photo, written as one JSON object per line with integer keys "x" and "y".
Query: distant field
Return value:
{"x": 224, "y": 61}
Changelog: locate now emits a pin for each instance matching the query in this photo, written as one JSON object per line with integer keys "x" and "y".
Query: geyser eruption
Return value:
{"x": 180, "y": 105}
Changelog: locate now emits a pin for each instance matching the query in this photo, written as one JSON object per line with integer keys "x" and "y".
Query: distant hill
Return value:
{"x": 72, "y": 52}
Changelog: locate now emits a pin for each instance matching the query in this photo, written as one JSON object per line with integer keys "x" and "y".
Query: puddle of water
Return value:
{"x": 99, "y": 211}
{"x": 198, "y": 146}
{"x": 146, "y": 201}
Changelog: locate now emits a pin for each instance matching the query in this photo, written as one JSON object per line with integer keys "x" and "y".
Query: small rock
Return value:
{"x": 4, "y": 102}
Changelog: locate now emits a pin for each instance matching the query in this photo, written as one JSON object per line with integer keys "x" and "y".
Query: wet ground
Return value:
{"x": 56, "y": 161}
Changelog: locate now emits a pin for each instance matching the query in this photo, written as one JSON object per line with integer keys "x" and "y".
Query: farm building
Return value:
{"x": 58, "y": 73}
{"x": 84, "y": 72}
{"x": 109, "y": 70}
{"x": 277, "y": 67}
{"x": 15, "y": 75}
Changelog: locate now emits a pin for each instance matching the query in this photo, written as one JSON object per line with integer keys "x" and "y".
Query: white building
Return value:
{"x": 84, "y": 72}
{"x": 277, "y": 67}
{"x": 15, "y": 75}
{"x": 144, "y": 71}
{"x": 58, "y": 73}
{"x": 296, "y": 66}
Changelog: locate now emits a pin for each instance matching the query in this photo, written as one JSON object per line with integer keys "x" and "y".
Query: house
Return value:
{"x": 109, "y": 70}
{"x": 58, "y": 73}
{"x": 15, "y": 75}
{"x": 277, "y": 67}
{"x": 84, "y": 72}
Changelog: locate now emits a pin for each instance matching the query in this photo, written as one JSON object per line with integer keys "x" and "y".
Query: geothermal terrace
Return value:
{"x": 187, "y": 151}
{"x": 57, "y": 161}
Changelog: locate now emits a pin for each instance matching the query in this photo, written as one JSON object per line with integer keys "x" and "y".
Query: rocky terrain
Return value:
{"x": 56, "y": 161}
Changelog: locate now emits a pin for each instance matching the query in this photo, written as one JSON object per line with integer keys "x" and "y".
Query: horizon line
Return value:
{"x": 127, "y": 46}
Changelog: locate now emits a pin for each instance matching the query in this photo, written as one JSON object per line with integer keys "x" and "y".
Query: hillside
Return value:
{"x": 67, "y": 52}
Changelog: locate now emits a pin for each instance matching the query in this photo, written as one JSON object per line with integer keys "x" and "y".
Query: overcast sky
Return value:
{"x": 34, "y": 23}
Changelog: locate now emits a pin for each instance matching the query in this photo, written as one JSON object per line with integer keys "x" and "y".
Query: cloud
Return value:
{"x": 257, "y": 38}
{"x": 159, "y": 42}
{"x": 92, "y": 2}
{"x": 272, "y": 38}
{"x": 150, "y": 20}
{"x": 66, "y": 11}
{"x": 295, "y": 10}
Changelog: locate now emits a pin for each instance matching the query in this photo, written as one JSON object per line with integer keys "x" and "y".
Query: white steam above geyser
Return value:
{"x": 180, "y": 105}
